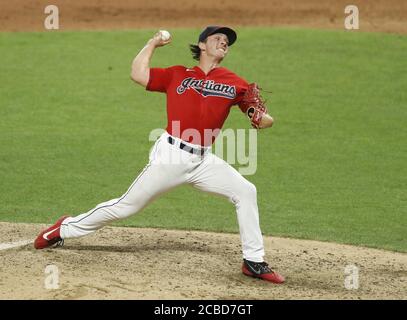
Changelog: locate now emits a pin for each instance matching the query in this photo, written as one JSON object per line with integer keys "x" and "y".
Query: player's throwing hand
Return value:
{"x": 161, "y": 38}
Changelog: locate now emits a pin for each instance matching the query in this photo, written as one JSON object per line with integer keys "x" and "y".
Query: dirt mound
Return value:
{"x": 378, "y": 15}
{"x": 133, "y": 263}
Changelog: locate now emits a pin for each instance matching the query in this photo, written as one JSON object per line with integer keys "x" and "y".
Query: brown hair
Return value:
{"x": 195, "y": 50}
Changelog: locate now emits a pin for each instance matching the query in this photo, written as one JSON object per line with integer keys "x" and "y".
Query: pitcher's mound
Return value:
{"x": 144, "y": 263}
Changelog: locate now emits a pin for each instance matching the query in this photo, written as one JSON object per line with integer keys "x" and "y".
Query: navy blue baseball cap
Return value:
{"x": 231, "y": 34}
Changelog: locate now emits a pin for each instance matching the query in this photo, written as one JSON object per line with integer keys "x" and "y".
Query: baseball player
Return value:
{"x": 198, "y": 102}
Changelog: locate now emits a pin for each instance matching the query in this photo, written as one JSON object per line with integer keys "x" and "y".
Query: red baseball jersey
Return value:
{"x": 197, "y": 103}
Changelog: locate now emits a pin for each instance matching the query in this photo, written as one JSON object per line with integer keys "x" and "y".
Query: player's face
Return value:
{"x": 217, "y": 46}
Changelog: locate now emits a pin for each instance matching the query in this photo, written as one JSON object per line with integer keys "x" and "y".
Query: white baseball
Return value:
{"x": 165, "y": 35}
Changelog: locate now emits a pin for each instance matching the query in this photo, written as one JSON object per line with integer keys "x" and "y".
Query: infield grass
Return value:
{"x": 74, "y": 131}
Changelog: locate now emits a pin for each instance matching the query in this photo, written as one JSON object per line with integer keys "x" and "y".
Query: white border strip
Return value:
{"x": 10, "y": 245}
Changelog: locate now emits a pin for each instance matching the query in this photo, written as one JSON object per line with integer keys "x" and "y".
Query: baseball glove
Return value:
{"x": 254, "y": 105}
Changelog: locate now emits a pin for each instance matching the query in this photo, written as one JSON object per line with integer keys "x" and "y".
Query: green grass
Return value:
{"x": 74, "y": 131}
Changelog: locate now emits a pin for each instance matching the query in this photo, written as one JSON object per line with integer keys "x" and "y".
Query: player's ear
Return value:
{"x": 202, "y": 46}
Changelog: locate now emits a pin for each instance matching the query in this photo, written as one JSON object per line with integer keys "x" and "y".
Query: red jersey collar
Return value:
{"x": 199, "y": 70}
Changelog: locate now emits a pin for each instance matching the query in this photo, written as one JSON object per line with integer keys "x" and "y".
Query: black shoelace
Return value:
{"x": 59, "y": 243}
{"x": 265, "y": 267}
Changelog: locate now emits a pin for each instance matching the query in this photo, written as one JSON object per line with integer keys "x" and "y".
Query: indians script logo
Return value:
{"x": 207, "y": 88}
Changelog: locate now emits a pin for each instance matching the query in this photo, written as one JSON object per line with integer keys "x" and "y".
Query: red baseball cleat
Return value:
{"x": 50, "y": 236}
{"x": 261, "y": 270}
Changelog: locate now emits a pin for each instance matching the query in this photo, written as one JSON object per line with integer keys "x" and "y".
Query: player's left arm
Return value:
{"x": 254, "y": 106}
{"x": 266, "y": 121}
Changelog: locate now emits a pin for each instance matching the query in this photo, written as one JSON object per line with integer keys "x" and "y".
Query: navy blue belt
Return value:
{"x": 182, "y": 146}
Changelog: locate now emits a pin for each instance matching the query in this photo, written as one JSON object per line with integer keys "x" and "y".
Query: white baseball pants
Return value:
{"x": 169, "y": 167}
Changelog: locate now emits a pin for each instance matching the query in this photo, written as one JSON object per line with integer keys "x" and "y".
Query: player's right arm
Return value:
{"x": 140, "y": 68}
